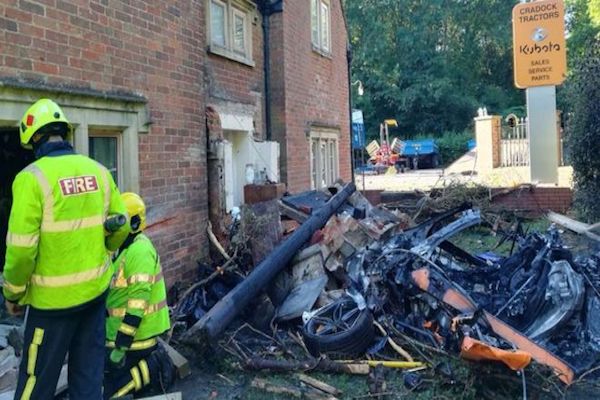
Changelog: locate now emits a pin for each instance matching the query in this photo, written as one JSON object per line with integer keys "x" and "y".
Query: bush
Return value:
{"x": 583, "y": 131}
{"x": 453, "y": 145}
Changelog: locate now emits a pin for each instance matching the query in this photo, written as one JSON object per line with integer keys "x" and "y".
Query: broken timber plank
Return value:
{"x": 574, "y": 225}
{"x": 322, "y": 386}
{"x": 181, "y": 363}
{"x": 269, "y": 387}
{"x": 167, "y": 396}
{"x": 292, "y": 213}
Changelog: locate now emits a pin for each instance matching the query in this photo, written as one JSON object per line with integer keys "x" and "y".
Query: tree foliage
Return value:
{"x": 581, "y": 103}
{"x": 431, "y": 63}
{"x": 583, "y": 132}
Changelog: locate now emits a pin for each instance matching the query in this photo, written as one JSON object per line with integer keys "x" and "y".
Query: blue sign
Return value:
{"x": 359, "y": 135}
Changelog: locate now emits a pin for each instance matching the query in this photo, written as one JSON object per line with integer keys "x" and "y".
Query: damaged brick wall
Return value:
{"x": 150, "y": 48}
{"x": 230, "y": 81}
{"x": 314, "y": 86}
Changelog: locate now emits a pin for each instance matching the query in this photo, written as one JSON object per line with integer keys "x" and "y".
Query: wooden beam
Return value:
{"x": 574, "y": 225}
{"x": 292, "y": 213}
{"x": 317, "y": 384}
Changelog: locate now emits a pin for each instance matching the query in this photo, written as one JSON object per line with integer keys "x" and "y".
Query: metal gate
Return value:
{"x": 514, "y": 143}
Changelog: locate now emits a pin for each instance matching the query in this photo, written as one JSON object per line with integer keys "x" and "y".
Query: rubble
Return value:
{"x": 366, "y": 288}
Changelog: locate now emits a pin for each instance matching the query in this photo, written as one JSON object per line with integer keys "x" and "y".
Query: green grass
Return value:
{"x": 480, "y": 239}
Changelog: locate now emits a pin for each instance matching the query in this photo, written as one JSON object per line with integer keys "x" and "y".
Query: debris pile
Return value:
{"x": 357, "y": 288}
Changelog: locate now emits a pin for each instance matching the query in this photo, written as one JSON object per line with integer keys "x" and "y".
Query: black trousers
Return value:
{"x": 142, "y": 371}
{"x": 49, "y": 336}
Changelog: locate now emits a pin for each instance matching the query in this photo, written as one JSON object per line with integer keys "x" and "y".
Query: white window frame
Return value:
{"x": 225, "y": 27}
{"x": 235, "y": 13}
{"x": 321, "y": 37}
{"x": 331, "y": 139}
{"x": 233, "y": 8}
{"x": 103, "y": 133}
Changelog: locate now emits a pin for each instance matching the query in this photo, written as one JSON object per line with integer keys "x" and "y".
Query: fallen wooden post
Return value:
{"x": 269, "y": 387}
{"x": 573, "y": 225}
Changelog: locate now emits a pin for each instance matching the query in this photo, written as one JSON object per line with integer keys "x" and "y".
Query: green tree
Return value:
{"x": 431, "y": 63}
{"x": 583, "y": 129}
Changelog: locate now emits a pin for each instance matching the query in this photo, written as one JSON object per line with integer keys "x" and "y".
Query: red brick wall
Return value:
{"x": 153, "y": 48}
{"x": 535, "y": 200}
{"x": 530, "y": 200}
{"x": 232, "y": 81}
{"x": 315, "y": 89}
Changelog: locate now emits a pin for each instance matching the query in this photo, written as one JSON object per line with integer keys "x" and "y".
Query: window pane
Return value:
{"x": 104, "y": 150}
{"x": 332, "y": 162}
{"x": 314, "y": 21}
{"x": 217, "y": 24}
{"x": 314, "y": 153}
{"x": 239, "y": 38}
{"x": 323, "y": 161}
{"x": 325, "y": 26}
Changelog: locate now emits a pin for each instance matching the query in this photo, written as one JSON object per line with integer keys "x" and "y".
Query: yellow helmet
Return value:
{"x": 42, "y": 113}
{"x": 136, "y": 210}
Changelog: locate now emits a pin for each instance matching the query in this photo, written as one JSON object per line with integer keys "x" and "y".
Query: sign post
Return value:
{"x": 540, "y": 63}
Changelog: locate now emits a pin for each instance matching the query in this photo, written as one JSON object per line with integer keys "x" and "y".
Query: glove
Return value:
{"x": 117, "y": 358}
{"x": 13, "y": 309}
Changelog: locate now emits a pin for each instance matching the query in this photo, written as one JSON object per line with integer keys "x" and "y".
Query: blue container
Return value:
{"x": 421, "y": 147}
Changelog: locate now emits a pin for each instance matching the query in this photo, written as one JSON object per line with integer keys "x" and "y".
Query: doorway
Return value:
{"x": 13, "y": 158}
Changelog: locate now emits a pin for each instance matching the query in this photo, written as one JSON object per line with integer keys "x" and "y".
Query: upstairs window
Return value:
{"x": 320, "y": 20}
{"x": 230, "y": 29}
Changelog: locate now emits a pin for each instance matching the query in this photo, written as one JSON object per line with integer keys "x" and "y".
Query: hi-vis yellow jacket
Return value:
{"x": 57, "y": 253}
{"x": 137, "y": 300}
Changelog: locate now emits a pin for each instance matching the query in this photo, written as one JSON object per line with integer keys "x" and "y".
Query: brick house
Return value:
{"x": 175, "y": 98}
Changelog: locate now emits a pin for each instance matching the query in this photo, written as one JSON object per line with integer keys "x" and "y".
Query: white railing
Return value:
{"x": 514, "y": 144}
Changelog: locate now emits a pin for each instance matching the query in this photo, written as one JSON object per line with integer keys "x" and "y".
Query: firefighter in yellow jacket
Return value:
{"x": 57, "y": 259}
{"x": 137, "y": 313}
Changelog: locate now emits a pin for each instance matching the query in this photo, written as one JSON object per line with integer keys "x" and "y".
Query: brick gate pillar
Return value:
{"x": 488, "y": 134}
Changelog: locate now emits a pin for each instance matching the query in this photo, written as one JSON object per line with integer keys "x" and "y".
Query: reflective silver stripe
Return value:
{"x": 70, "y": 279}
{"x": 72, "y": 225}
{"x": 121, "y": 282}
{"x": 151, "y": 309}
{"x": 48, "y": 222}
{"x": 137, "y": 345}
{"x": 19, "y": 240}
{"x": 14, "y": 288}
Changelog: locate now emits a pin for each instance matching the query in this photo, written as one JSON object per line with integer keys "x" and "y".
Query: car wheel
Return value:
{"x": 339, "y": 328}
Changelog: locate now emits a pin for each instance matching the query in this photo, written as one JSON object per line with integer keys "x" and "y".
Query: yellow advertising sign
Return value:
{"x": 539, "y": 45}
